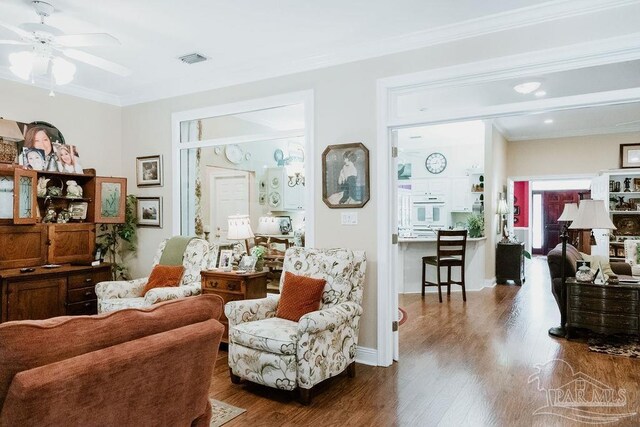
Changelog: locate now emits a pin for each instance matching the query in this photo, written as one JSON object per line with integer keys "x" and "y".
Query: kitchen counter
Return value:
{"x": 412, "y": 249}
{"x": 433, "y": 239}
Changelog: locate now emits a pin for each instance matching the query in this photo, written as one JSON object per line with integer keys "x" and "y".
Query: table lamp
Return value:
{"x": 591, "y": 214}
{"x": 240, "y": 229}
{"x": 503, "y": 210}
{"x": 9, "y": 135}
{"x": 268, "y": 226}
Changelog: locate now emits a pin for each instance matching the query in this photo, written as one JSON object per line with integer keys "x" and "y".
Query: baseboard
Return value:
{"x": 489, "y": 283}
{"x": 367, "y": 356}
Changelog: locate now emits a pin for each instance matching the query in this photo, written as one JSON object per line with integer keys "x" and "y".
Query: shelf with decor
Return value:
{"x": 624, "y": 209}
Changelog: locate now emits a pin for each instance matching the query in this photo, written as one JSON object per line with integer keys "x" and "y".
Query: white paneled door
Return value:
{"x": 229, "y": 196}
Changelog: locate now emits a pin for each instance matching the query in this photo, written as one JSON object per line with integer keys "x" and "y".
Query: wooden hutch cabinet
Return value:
{"x": 60, "y": 279}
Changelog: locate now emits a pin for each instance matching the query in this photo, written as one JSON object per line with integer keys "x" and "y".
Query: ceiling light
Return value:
{"x": 540, "y": 93}
{"x": 527, "y": 87}
{"x": 548, "y": 121}
{"x": 27, "y": 64}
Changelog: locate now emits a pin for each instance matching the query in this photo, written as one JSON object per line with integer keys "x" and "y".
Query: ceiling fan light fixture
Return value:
{"x": 527, "y": 87}
{"x": 21, "y": 64}
{"x": 63, "y": 71}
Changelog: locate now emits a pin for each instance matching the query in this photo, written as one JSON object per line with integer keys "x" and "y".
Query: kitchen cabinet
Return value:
{"x": 280, "y": 196}
{"x": 460, "y": 194}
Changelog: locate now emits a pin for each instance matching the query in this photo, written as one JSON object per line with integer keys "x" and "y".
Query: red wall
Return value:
{"x": 521, "y": 193}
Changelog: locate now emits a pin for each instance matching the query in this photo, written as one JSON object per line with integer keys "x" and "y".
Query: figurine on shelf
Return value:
{"x": 627, "y": 185}
{"x": 63, "y": 217}
{"x": 50, "y": 215}
{"x": 54, "y": 191}
{"x": 74, "y": 191}
{"x": 42, "y": 186}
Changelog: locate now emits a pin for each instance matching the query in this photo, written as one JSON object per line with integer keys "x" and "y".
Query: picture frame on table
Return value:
{"x": 226, "y": 258}
{"x": 78, "y": 210}
{"x": 629, "y": 156}
{"x": 149, "y": 171}
{"x": 345, "y": 176}
{"x": 149, "y": 212}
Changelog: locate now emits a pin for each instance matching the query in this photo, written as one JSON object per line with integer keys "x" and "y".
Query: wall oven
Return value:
{"x": 428, "y": 212}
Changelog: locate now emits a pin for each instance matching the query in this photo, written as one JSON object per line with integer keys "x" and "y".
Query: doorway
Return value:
{"x": 547, "y": 208}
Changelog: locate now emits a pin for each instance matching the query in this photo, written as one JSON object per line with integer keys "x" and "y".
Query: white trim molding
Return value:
{"x": 367, "y": 356}
{"x": 303, "y": 97}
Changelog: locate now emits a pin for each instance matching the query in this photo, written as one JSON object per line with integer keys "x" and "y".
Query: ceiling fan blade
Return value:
{"x": 19, "y": 31}
{"x": 96, "y": 61}
{"x": 89, "y": 39}
{"x": 16, "y": 42}
{"x": 628, "y": 123}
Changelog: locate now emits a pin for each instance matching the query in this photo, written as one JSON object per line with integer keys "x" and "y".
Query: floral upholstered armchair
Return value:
{"x": 117, "y": 295}
{"x": 287, "y": 355}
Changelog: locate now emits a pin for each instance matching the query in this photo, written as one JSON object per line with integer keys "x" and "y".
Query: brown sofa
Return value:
{"x": 131, "y": 367}
{"x": 554, "y": 260}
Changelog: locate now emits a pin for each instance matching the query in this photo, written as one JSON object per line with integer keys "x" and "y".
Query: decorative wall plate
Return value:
{"x": 234, "y": 153}
{"x": 247, "y": 156}
{"x": 263, "y": 198}
{"x": 217, "y": 149}
{"x": 274, "y": 199}
{"x": 275, "y": 182}
{"x": 262, "y": 186}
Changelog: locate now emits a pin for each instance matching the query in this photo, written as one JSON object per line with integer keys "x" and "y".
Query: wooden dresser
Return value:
{"x": 605, "y": 309}
{"x": 510, "y": 263}
{"x": 44, "y": 293}
{"x": 232, "y": 286}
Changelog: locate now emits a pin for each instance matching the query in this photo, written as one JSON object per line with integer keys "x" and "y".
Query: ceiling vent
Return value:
{"x": 193, "y": 58}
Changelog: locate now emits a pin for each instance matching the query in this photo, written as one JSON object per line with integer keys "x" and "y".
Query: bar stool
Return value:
{"x": 452, "y": 246}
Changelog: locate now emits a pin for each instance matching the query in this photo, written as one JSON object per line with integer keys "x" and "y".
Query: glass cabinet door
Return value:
{"x": 24, "y": 201}
{"x": 6, "y": 196}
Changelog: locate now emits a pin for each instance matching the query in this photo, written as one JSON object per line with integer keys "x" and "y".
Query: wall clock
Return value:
{"x": 435, "y": 163}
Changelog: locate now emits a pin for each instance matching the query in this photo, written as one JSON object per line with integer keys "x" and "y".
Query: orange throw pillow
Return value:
{"x": 163, "y": 276}
{"x": 300, "y": 295}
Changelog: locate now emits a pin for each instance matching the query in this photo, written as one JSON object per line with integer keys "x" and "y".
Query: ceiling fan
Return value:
{"x": 47, "y": 42}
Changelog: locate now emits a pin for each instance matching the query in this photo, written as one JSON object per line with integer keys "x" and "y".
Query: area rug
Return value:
{"x": 222, "y": 413}
{"x": 616, "y": 346}
{"x": 402, "y": 316}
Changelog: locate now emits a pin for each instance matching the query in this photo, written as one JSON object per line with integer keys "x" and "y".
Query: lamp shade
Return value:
{"x": 503, "y": 209}
{"x": 239, "y": 228}
{"x": 569, "y": 213}
{"x": 268, "y": 226}
{"x": 592, "y": 214}
{"x": 10, "y": 131}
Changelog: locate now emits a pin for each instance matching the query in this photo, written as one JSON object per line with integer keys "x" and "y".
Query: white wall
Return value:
{"x": 95, "y": 128}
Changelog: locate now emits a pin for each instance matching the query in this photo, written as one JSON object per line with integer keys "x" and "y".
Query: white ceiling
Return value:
{"x": 420, "y": 138}
{"x": 267, "y": 36}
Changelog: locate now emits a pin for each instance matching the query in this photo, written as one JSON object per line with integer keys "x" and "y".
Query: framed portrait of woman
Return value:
{"x": 345, "y": 176}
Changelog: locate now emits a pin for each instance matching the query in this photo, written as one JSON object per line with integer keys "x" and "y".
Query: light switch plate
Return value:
{"x": 349, "y": 218}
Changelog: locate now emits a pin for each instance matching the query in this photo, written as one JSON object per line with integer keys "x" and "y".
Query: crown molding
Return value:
{"x": 517, "y": 18}
{"x": 239, "y": 74}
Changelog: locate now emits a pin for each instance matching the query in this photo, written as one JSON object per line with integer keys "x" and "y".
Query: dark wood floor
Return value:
{"x": 460, "y": 364}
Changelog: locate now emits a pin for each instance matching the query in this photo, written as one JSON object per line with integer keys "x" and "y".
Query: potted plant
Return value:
{"x": 259, "y": 252}
{"x": 475, "y": 225}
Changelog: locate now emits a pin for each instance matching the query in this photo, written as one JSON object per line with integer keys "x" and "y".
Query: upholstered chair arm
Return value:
{"x": 121, "y": 288}
{"x": 250, "y": 310}
{"x": 156, "y": 295}
{"x": 328, "y": 318}
{"x": 327, "y": 342}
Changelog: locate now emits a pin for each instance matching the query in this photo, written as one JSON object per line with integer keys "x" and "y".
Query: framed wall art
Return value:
{"x": 345, "y": 176}
{"x": 110, "y": 198}
{"x": 149, "y": 171}
{"x": 629, "y": 155}
{"x": 149, "y": 212}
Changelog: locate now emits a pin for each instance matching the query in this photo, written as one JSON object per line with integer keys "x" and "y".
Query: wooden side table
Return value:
{"x": 605, "y": 309}
{"x": 232, "y": 286}
{"x": 510, "y": 263}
